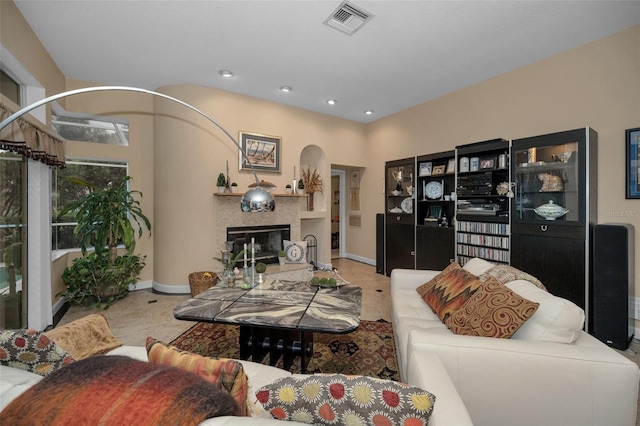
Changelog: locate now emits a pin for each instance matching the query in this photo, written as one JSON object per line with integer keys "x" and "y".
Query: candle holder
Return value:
{"x": 246, "y": 277}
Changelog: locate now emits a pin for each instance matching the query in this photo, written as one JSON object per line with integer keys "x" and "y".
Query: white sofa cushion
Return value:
{"x": 477, "y": 266}
{"x": 556, "y": 320}
{"x": 14, "y": 381}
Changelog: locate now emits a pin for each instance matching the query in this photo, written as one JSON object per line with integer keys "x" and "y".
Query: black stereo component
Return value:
{"x": 476, "y": 184}
{"x": 478, "y": 179}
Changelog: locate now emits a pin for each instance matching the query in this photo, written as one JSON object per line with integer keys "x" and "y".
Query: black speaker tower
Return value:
{"x": 613, "y": 293}
{"x": 380, "y": 243}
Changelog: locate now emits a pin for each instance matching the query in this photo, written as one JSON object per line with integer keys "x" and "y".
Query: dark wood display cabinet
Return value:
{"x": 399, "y": 215}
{"x": 435, "y": 210}
{"x": 554, "y": 210}
{"x": 483, "y": 187}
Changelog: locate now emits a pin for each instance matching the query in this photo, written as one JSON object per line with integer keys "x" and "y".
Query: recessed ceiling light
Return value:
{"x": 225, "y": 73}
{"x": 286, "y": 88}
{"x": 368, "y": 111}
{"x": 332, "y": 102}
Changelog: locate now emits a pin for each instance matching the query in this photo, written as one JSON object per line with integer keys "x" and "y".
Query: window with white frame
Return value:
{"x": 9, "y": 87}
{"x": 90, "y": 128}
{"x": 64, "y": 191}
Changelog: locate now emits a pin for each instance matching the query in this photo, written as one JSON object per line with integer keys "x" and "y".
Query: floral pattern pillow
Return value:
{"x": 332, "y": 399}
{"x": 32, "y": 351}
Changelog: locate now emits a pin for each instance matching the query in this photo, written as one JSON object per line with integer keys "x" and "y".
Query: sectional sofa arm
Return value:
{"x": 503, "y": 381}
{"x": 409, "y": 279}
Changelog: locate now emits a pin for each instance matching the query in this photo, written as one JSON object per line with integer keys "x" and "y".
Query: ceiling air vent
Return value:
{"x": 348, "y": 18}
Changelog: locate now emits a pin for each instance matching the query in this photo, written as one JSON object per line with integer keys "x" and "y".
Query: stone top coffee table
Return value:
{"x": 277, "y": 317}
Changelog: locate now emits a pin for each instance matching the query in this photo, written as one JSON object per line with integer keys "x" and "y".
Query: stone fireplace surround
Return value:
{"x": 228, "y": 214}
{"x": 268, "y": 240}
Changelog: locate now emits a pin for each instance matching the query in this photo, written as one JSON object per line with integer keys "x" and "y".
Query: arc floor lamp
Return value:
{"x": 256, "y": 199}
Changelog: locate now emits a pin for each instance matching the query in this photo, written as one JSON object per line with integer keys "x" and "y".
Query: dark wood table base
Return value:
{"x": 257, "y": 342}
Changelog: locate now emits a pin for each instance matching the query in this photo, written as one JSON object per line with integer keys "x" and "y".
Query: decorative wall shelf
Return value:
{"x": 240, "y": 194}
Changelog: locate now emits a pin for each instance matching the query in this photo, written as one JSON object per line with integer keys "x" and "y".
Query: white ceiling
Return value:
{"x": 409, "y": 53}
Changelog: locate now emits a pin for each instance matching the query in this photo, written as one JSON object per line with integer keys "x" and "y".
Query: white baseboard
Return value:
{"x": 361, "y": 259}
{"x": 171, "y": 289}
{"x": 142, "y": 285}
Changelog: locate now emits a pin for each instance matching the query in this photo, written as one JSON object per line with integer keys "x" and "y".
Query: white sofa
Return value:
{"x": 513, "y": 381}
{"x": 448, "y": 409}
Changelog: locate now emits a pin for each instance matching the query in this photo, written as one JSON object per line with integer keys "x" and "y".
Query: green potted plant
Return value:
{"x": 234, "y": 187}
{"x": 300, "y": 187}
{"x": 106, "y": 217}
{"x": 261, "y": 268}
{"x": 288, "y": 189}
{"x": 282, "y": 256}
{"x": 221, "y": 183}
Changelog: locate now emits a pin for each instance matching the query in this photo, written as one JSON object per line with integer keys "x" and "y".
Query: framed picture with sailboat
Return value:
{"x": 262, "y": 150}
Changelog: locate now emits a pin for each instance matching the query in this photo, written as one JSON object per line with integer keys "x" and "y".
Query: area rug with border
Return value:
{"x": 367, "y": 351}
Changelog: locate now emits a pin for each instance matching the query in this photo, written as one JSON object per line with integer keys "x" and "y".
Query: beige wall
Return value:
{"x": 189, "y": 153}
{"x": 596, "y": 85}
{"x": 174, "y": 162}
{"x": 17, "y": 37}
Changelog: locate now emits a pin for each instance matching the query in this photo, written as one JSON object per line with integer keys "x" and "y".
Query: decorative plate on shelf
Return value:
{"x": 433, "y": 190}
{"x": 407, "y": 205}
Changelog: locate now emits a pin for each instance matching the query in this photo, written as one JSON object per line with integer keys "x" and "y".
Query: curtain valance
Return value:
{"x": 27, "y": 139}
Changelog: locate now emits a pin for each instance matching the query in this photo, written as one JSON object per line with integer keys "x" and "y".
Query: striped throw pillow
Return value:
{"x": 227, "y": 373}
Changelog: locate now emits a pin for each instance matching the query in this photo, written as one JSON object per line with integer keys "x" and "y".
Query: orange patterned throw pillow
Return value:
{"x": 493, "y": 311}
{"x": 427, "y": 286}
{"x": 118, "y": 390}
{"x": 227, "y": 373}
{"x": 450, "y": 290}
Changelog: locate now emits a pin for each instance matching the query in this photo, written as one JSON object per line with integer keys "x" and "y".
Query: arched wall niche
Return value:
{"x": 313, "y": 158}
{"x": 315, "y": 222}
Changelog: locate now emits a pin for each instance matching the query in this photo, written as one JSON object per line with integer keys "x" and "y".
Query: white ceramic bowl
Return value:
{"x": 550, "y": 211}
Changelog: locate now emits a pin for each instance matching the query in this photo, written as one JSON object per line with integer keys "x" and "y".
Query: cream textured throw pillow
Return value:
{"x": 85, "y": 337}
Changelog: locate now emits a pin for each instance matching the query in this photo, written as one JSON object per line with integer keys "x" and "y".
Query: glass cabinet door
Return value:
{"x": 547, "y": 183}
{"x": 400, "y": 187}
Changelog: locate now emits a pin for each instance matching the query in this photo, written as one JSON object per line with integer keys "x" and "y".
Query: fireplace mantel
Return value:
{"x": 227, "y": 213}
{"x": 239, "y": 194}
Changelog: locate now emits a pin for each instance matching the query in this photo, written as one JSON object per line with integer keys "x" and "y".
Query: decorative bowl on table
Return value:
{"x": 550, "y": 211}
{"x": 326, "y": 279}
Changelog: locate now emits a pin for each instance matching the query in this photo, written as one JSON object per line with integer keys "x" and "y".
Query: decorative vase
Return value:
{"x": 281, "y": 260}
{"x": 310, "y": 202}
{"x": 260, "y": 279}
{"x": 229, "y": 277}
{"x": 234, "y": 189}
